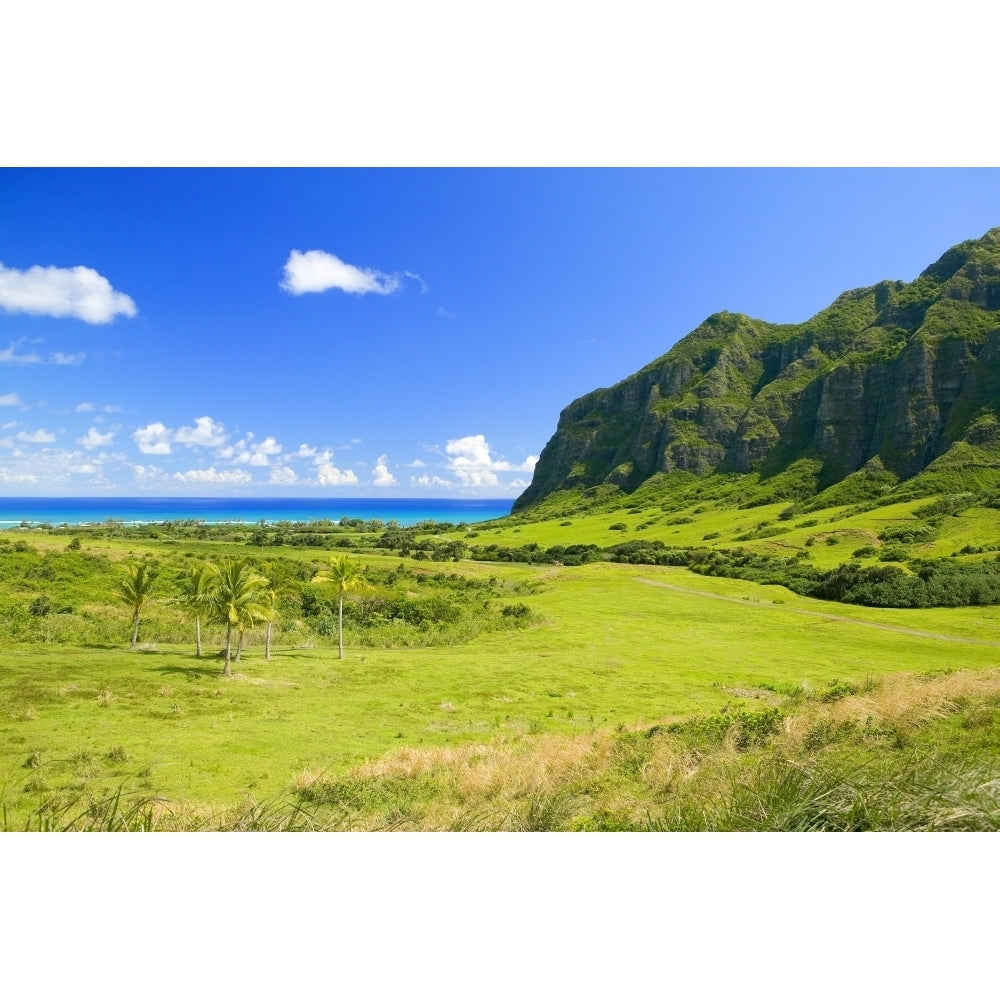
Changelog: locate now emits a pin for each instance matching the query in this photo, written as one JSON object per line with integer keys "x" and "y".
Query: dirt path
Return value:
{"x": 819, "y": 614}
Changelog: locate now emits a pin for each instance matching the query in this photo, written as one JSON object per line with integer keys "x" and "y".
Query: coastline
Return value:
{"x": 33, "y": 511}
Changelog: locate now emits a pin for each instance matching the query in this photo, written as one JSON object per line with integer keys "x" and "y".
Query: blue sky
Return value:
{"x": 403, "y": 332}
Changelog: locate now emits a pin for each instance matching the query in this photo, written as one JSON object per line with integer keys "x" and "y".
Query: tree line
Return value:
{"x": 236, "y": 594}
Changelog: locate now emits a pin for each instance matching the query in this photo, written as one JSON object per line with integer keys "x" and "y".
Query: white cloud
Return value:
{"x": 147, "y": 473}
{"x": 85, "y": 408}
{"x": 210, "y": 475}
{"x": 305, "y": 451}
{"x": 444, "y": 314}
{"x": 383, "y": 477}
{"x": 318, "y": 271}
{"x": 9, "y": 355}
{"x": 206, "y": 433}
{"x": 41, "y": 436}
{"x": 469, "y": 458}
{"x": 283, "y": 476}
{"x": 426, "y": 480}
{"x": 10, "y": 399}
{"x": 15, "y": 477}
{"x": 63, "y": 291}
{"x": 95, "y": 439}
{"x": 153, "y": 439}
{"x": 111, "y": 408}
{"x": 477, "y": 477}
{"x": 329, "y": 475}
{"x": 156, "y": 438}
{"x": 251, "y": 452}
{"x": 472, "y": 454}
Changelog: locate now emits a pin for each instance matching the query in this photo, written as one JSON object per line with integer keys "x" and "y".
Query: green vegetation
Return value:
{"x": 345, "y": 575}
{"x": 889, "y": 394}
{"x": 754, "y": 586}
{"x": 477, "y": 695}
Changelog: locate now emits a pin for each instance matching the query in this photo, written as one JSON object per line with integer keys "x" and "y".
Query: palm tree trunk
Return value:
{"x": 135, "y": 629}
{"x": 267, "y": 642}
{"x": 229, "y": 643}
{"x": 340, "y": 626}
{"x": 197, "y": 633}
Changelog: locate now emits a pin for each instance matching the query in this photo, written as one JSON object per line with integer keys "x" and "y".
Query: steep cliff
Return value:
{"x": 889, "y": 377}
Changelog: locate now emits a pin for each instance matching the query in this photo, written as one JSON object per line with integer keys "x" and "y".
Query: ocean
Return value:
{"x": 251, "y": 510}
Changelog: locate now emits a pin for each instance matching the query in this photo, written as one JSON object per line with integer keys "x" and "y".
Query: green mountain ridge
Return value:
{"x": 891, "y": 391}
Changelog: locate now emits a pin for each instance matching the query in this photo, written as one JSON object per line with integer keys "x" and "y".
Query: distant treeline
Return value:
{"x": 929, "y": 584}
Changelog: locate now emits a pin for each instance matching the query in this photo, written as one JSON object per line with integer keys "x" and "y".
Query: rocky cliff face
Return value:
{"x": 898, "y": 372}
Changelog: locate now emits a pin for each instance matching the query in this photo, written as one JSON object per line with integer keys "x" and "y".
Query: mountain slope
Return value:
{"x": 888, "y": 381}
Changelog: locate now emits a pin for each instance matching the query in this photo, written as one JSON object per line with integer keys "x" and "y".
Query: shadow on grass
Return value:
{"x": 198, "y": 669}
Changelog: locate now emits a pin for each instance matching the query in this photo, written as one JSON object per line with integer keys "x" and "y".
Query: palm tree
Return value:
{"x": 345, "y": 575}
{"x": 135, "y": 590}
{"x": 196, "y": 590}
{"x": 236, "y": 600}
{"x": 278, "y": 583}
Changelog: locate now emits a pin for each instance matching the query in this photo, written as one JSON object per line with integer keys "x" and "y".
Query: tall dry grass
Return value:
{"x": 875, "y": 759}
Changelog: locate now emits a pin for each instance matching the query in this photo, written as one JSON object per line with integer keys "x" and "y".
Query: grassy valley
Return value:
{"x": 492, "y": 694}
{"x": 755, "y": 585}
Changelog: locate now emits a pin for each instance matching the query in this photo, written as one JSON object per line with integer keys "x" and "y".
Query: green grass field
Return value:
{"x": 610, "y": 648}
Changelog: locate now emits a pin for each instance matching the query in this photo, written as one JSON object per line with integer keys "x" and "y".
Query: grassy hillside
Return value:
{"x": 591, "y": 654}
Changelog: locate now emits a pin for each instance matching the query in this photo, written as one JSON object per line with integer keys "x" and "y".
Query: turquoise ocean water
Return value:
{"x": 142, "y": 510}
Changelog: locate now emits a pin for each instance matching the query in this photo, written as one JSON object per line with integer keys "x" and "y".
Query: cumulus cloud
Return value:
{"x": 283, "y": 476}
{"x": 10, "y": 355}
{"x": 330, "y": 475}
{"x": 95, "y": 439}
{"x": 382, "y": 476}
{"x": 147, "y": 473}
{"x": 251, "y": 452}
{"x": 153, "y": 439}
{"x": 469, "y": 458}
{"x": 428, "y": 480}
{"x": 211, "y": 475}
{"x": 17, "y": 477}
{"x": 156, "y": 438}
{"x": 206, "y": 433}
{"x": 41, "y": 436}
{"x": 85, "y": 407}
{"x": 319, "y": 271}
{"x": 10, "y": 399}
{"x": 305, "y": 451}
{"x": 63, "y": 291}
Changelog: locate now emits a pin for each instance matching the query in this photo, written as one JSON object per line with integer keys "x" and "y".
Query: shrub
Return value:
{"x": 40, "y": 606}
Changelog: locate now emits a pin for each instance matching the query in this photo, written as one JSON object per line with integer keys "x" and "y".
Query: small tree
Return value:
{"x": 278, "y": 582}
{"x": 135, "y": 590}
{"x": 345, "y": 575}
{"x": 196, "y": 591}
{"x": 236, "y": 600}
